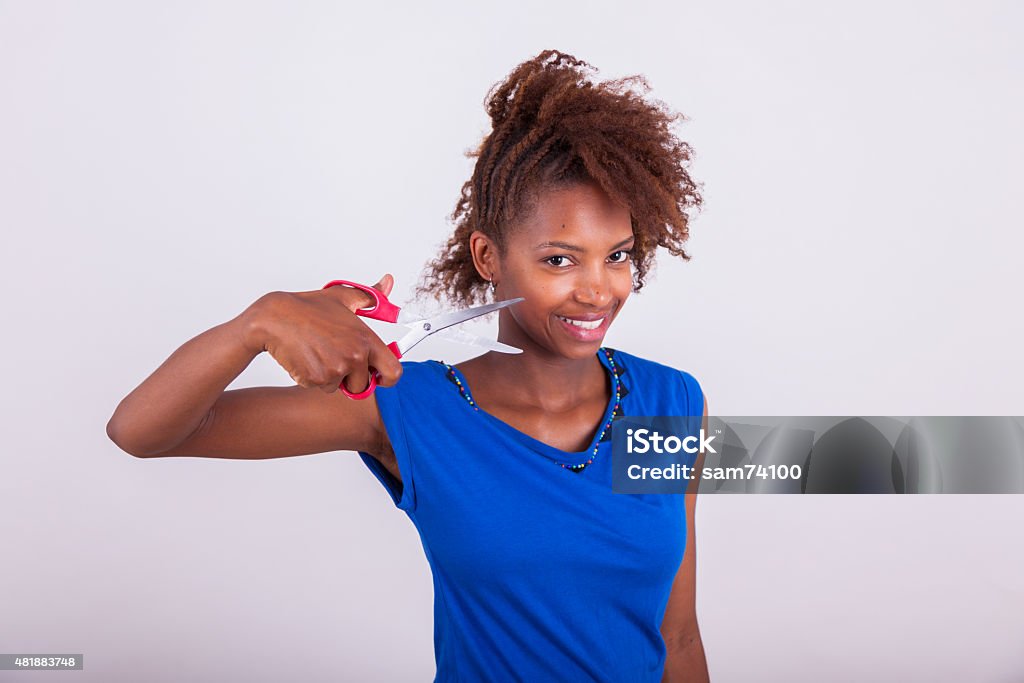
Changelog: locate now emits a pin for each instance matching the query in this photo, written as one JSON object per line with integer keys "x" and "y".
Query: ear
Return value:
{"x": 485, "y": 256}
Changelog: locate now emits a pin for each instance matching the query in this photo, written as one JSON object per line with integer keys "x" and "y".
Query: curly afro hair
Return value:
{"x": 552, "y": 127}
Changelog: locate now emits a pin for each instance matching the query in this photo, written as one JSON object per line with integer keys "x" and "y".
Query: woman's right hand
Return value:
{"x": 319, "y": 340}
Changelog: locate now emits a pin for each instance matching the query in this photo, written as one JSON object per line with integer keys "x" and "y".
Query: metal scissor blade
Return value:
{"x": 462, "y": 337}
{"x": 407, "y": 318}
{"x": 425, "y": 328}
{"x": 448, "y": 319}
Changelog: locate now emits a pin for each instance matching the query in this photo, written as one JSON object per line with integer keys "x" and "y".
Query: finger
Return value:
{"x": 388, "y": 367}
{"x": 385, "y": 284}
{"x": 357, "y": 380}
{"x": 355, "y": 299}
{"x": 305, "y": 384}
{"x": 359, "y": 299}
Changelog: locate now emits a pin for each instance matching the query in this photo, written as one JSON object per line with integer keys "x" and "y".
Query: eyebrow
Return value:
{"x": 573, "y": 247}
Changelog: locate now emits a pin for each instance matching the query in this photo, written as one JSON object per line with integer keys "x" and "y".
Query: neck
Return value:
{"x": 537, "y": 377}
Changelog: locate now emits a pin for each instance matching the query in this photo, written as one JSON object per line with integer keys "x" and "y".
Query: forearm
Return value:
{"x": 175, "y": 399}
{"x": 686, "y": 662}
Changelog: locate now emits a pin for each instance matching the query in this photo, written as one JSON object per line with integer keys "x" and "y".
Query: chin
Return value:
{"x": 579, "y": 350}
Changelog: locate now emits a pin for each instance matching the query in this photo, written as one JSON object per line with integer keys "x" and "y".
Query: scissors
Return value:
{"x": 421, "y": 328}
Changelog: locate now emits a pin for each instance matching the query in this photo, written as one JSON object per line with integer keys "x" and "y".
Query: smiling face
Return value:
{"x": 570, "y": 260}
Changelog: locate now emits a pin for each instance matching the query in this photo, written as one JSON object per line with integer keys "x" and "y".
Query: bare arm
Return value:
{"x": 175, "y": 400}
{"x": 277, "y": 422}
{"x": 686, "y": 660}
{"x": 182, "y": 408}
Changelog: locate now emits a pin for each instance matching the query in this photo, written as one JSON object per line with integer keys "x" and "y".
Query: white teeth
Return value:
{"x": 592, "y": 325}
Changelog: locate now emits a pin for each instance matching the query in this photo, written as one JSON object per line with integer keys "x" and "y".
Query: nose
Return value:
{"x": 593, "y": 289}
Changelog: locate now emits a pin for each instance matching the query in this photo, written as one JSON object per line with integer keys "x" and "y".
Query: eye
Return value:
{"x": 626, "y": 254}
{"x": 551, "y": 260}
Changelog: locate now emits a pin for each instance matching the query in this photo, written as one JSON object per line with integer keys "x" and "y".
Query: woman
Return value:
{"x": 502, "y": 462}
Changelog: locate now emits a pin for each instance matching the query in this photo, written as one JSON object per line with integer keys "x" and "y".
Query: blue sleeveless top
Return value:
{"x": 540, "y": 572}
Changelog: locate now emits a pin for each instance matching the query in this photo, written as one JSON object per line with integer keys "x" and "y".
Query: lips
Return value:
{"x": 584, "y": 324}
{"x": 588, "y": 328}
{"x": 588, "y": 317}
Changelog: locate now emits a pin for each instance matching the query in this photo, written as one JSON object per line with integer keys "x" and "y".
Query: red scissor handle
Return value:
{"x": 382, "y": 309}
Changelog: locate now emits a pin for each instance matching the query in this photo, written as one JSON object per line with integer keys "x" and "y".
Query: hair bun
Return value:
{"x": 527, "y": 83}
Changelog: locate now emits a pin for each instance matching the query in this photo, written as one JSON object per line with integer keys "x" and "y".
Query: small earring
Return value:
{"x": 494, "y": 287}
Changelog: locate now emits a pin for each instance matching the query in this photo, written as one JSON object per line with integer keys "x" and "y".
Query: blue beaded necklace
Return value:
{"x": 615, "y": 409}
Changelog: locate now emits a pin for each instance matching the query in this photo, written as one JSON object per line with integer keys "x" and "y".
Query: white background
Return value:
{"x": 165, "y": 164}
